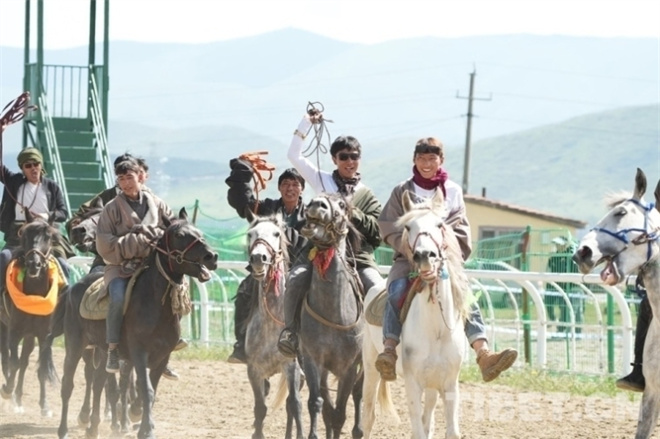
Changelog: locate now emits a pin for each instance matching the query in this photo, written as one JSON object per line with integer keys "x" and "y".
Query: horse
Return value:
{"x": 626, "y": 239}
{"x": 269, "y": 259}
{"x": 330, "y": 318}
{"x": 432, "y": 339}
{"x": 27, "y": 309}
{"x": 150, "y": 327}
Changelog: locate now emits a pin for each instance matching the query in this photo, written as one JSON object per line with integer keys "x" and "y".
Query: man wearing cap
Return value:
{"x": 29, "y": 190}
{"x": 290, "y": 205}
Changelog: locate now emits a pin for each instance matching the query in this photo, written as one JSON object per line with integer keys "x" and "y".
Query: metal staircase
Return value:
{"x": 69, "y": 128}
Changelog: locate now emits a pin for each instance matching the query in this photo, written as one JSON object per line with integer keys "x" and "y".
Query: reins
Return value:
{"x": 276, "y": 260}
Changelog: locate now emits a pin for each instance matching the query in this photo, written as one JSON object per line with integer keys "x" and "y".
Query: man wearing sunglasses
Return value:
{"x": 346, "y": 152}
{"x": 29, "y": 190}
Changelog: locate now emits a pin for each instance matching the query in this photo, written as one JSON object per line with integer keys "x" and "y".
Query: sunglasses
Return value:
{"x": 30, "y": 165}
{"x": 343, "y": 156}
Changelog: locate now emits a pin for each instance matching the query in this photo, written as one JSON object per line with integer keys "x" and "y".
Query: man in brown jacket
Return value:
{"x": 429, "y": 177}
{"x": 127, "y": 226}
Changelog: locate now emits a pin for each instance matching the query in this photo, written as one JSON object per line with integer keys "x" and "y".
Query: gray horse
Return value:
{"x": 269, "y": 260}
{"x": 627, "y": 240}
{"x": 330, "y": 320}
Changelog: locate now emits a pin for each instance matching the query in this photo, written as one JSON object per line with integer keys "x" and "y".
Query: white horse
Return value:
{"x": 269, "y": 260}
{"x": 432, "y": 338}
{"x": 626, "y": 239}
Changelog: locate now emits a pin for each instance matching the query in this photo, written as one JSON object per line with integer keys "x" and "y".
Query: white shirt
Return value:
{"x": 454, "y": 200}
{"x": 33, "y": 197}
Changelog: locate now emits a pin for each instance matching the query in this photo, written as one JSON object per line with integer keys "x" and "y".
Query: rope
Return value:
{"x": 259, "y": 167}
{"x": 320, "y": 128}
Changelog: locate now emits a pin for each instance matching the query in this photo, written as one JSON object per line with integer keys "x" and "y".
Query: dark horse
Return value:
{"x": 150, "y": 329}
{"x": 82, "y": 234}
{"x": 331, "y": 318}
{"x": 41, "y": 278}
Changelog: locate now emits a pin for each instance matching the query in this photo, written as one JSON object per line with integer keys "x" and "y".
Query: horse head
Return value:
{"x": 267, "y": 244}
{"x": 423, "y": 226}
{"x": 83, "y": 233}
{"x": 328, "y": 221}
{"x": 626, "y": 238}
{"x": 36, "y": 238}
{"x": 186, "y": 250}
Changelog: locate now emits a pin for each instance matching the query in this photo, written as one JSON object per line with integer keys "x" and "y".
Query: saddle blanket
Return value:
{"x": 96, "y": 300}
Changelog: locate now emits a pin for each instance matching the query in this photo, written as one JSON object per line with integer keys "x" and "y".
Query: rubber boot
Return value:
{"x": 635, "y": 381}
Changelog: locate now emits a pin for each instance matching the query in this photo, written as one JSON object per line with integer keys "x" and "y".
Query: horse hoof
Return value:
{"x": 46, "y": 413}
{"x": 4, "y": 393}
{"x": 91, "y": 435}
{"x": 19, "y": 409}
{"x": 135, "y": 415}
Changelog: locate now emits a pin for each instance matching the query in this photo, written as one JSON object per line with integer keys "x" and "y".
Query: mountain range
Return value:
{"x": 557, "y": 120}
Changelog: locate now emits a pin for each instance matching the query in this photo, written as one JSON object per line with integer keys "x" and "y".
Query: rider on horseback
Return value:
{"x": 428, "y": 177}
{"x": 241, "y": 197}
{"x": 345, "y": 180}
{"x": 128, "y": 226}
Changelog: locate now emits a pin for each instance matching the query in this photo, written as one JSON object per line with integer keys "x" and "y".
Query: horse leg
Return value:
{"x": 345, "y": 388}
{"x": 414, "y": 400}
{"x": 357, "y": 404}
{"x": 452, "y": 401}
{"x": 100, "y": 377}
{"x": 83, "y": 415}
{"x": 328, "y": 408}
{"x": 4, "y": 347}
{"x": 428, "y": 418}
{"x": 293, "y": 403}
{"x": 111, "y": 399}
{"x": 28, "y": 347}
{"x": 370, "y": 385}
{"x": 146, "y": 392}
{"x": 7, "y": 390}
{"x": 315, "y": 400}
{"x": 648, "y": 414}
{"x": 130, "y": 410}
{"x": 46, "y": 373}
{"x": 74, "y": 351}
{"x": 260, "y": 409}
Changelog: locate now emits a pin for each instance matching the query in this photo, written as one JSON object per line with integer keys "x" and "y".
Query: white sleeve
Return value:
{"x": 307, "y": 169}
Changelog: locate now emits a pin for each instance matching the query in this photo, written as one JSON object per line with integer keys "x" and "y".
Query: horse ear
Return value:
{"x": 51, "y": 218}
{"x": 640, "y": 184}
{"x": 167, "y": 221}
{"x": 183, "y": 215}
{"x": 405, "y": 200}
{"x": 250, "y": 216}
{"x": 28, "y": 216}
{"x": 657, "y": 196}
{"x": 98, "y": 203}
{"x": 438, "y": 199}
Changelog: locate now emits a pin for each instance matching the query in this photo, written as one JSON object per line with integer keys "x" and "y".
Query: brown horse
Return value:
{"x": 26, "y": 310}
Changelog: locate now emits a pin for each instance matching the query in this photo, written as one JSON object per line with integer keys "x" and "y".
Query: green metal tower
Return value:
{"x": 70, "y": 126}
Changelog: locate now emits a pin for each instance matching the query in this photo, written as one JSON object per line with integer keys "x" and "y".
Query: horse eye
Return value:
{"x": 620, "y": 212}
{"x": 276, "y": 234}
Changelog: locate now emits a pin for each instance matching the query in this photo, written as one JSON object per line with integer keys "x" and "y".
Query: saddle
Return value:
{"x": 376, "y": 309}
{"x": 96, "y": 300}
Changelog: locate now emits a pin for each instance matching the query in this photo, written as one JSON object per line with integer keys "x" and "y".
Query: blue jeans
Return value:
{"x": 117, "y": 292}
{"x": 475, "y": 329}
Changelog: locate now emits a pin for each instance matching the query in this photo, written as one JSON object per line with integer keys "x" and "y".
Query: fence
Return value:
{"x": 513, "y": 306}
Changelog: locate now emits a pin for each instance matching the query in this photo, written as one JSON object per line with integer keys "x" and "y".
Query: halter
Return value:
{"x": 176, "y": 254}
{"x": 332, "y": 229}
{"x": 645, "y": 236}
{"x": 276, "y": 257}
{"x": 441, "y": 258}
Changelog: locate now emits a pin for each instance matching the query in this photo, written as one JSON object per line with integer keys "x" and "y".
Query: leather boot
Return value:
{"x": 494, "y": 363}
{"x": 241, "y": 314}
{"x": 635, "y": 381}
{"x": 288, "y": 343}
{"x": 386, "y": 361}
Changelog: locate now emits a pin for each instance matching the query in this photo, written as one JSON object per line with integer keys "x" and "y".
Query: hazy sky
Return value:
{"x": 364, "y": 21}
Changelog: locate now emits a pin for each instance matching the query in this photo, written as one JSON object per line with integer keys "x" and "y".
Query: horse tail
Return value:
{"x": 385, "y": 401}
{"x": 46, "y": 369}
{"x": 282, "y": 392}
{"x": 57, "y": 318}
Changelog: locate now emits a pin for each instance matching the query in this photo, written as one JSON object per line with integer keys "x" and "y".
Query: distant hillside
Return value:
{"x": 375, "y": 92}
{"x": 563, "y": 168}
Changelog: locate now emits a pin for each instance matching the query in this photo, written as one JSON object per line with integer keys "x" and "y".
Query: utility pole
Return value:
{"x": 468, "y": 134}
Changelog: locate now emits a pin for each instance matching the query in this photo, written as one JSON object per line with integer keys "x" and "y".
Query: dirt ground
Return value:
{"x": 214, "y": 400}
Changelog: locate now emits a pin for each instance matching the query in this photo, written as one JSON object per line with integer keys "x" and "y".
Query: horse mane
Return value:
{"x": 90, "y": 213}
{"x": 353, "y": 237}
{"x": 460, "y": 285}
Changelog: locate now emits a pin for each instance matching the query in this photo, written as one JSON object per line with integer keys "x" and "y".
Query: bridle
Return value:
{"x": 272, "y": 275}
{"x": 177, "y": 255}
{"x": 333, "y": 229}
{"x": 645, "y": 236}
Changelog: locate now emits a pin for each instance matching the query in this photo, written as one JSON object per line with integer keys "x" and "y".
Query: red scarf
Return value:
{"x": 431, "y": 183}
